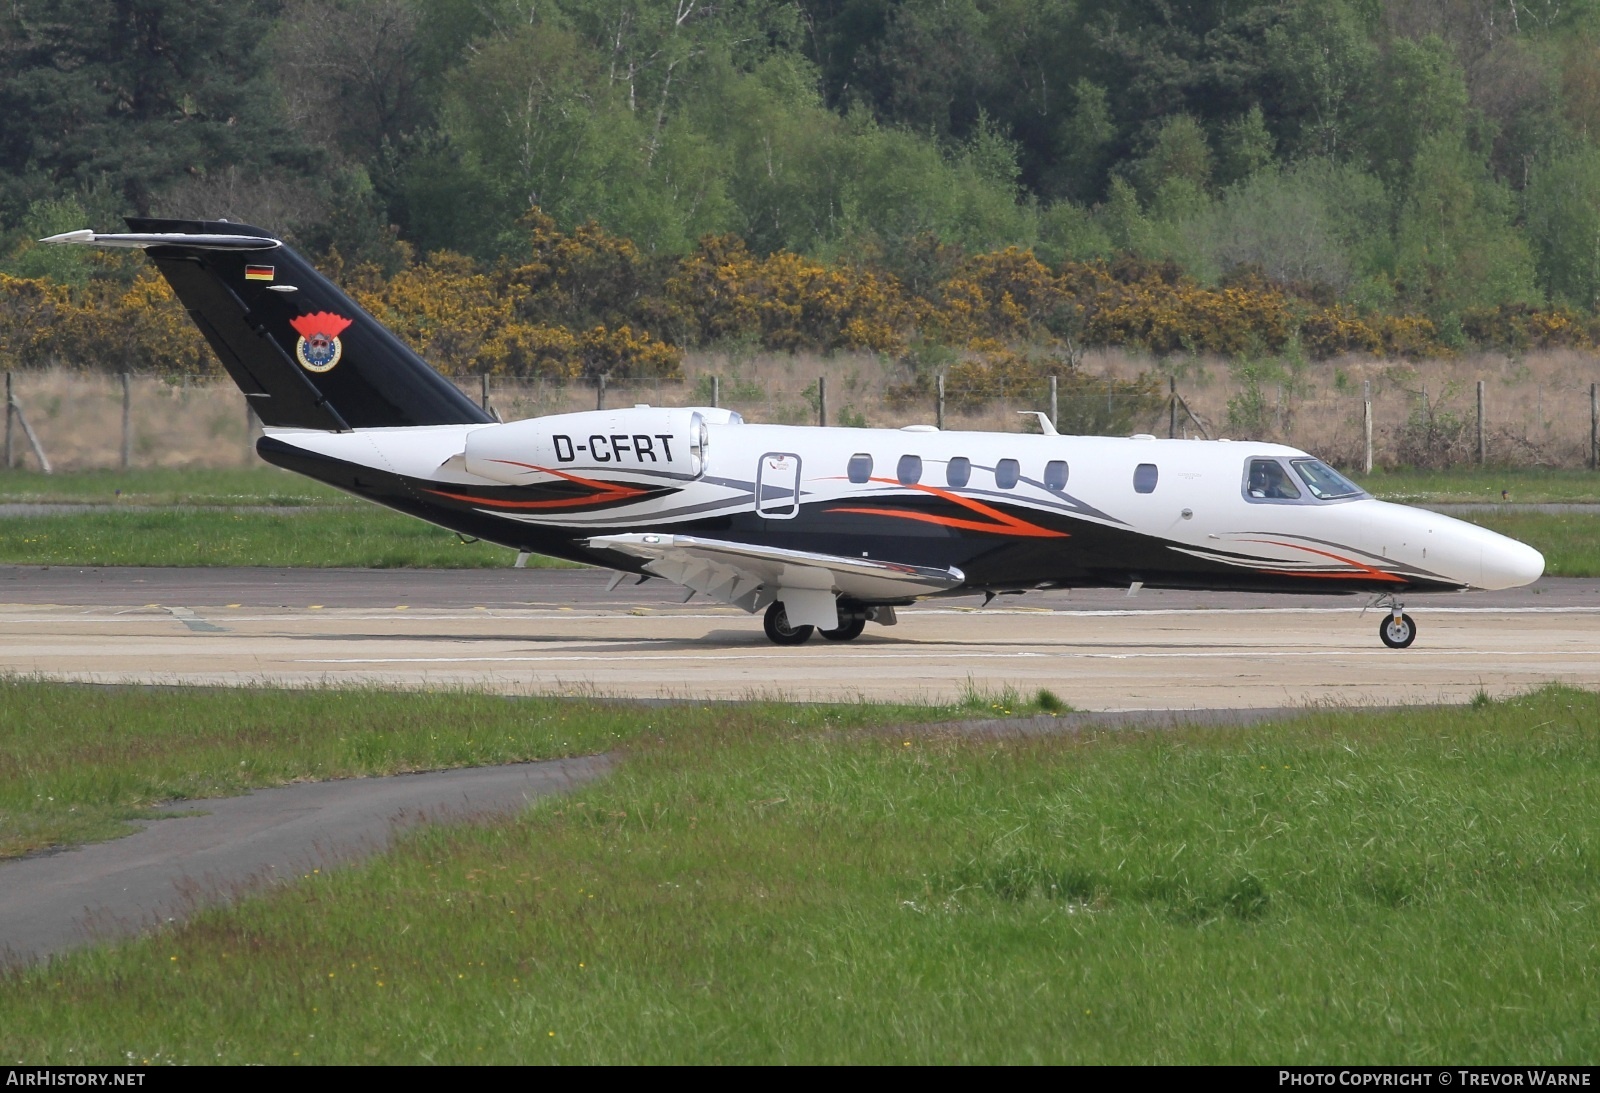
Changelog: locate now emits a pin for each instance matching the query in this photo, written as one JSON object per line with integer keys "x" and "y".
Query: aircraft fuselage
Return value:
{"x": 1008, "y": 511}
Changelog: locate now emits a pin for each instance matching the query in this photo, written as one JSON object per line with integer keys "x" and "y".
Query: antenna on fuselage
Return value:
{"x": 1045, "y": 426}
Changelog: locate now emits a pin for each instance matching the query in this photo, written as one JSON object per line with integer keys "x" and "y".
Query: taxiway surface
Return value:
{"x": 525, "y": 631}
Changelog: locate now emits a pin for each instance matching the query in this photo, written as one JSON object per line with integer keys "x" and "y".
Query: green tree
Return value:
{"x": 136, "y": 96}
{"x": 1083, "y": 142}
{"x": 1456, "y": 246}
{"x": 1323, "y": 57}
{"x": 1246, "y": 147}
{"x": 1563, "y": 216}
{"x": 1419, "y": 93}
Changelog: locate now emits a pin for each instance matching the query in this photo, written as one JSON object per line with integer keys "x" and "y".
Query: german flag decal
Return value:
{"x": 258, "y": 273}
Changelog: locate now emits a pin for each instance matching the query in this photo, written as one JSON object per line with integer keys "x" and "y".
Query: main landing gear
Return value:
{"x": 1399, "y": 630}
{"x": 780, "y": 632}
{"x": 776, "y": 624}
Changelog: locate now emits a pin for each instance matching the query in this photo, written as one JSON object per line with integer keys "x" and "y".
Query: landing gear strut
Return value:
{"x": 776, "y": 624}
{"x": 1399, "y": 630}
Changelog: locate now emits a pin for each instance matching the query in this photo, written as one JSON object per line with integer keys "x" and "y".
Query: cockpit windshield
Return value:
{"x": 1325, "y": 483}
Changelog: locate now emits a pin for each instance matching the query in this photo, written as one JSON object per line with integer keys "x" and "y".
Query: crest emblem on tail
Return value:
{"x": 319, "y": 348}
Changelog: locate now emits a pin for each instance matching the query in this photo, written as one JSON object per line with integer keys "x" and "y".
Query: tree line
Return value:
{"x": 1422, "y": 162}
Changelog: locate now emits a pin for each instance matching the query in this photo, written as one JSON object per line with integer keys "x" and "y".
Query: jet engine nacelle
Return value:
{"x": 596, "y": 442}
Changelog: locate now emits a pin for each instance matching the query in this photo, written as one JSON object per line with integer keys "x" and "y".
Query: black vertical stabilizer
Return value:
{"x": 301, "y": 350}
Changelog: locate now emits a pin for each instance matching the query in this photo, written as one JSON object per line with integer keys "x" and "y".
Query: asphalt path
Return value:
{"x": 236, "y": 845}
{"x": 561, "y": 631}
{"x": 131, "y": 586}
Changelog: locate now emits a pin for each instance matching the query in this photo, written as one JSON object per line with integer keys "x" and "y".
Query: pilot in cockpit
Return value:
{"x": 1270, "y": 481}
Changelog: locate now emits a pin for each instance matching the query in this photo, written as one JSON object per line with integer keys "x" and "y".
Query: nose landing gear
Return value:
{"x": 1399, "y": 630}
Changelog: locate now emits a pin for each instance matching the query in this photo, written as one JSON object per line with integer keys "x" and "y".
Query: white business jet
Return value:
{"x": 822, "y": 529}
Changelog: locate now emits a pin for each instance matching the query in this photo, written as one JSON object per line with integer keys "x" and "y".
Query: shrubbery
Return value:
{"x": 588, "y": 303}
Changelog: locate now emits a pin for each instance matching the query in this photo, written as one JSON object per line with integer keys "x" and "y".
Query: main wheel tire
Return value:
{"x": 776, "y": 624}
{"x": 1398, "y": 631}
{"x": 849, "y": 631}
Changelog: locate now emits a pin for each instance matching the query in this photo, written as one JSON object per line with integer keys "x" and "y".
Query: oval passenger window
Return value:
{"x": 1144, "y": 478}
{"x": 910, "y": 470}
{"x": 958, "y": 472}
{"x": 860, "y": 468}
{"x": 1055, "y": 475}
{"x": 1006, "y": 473}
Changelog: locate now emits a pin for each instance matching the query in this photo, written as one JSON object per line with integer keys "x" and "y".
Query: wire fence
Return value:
{"x": 83, "y": 420}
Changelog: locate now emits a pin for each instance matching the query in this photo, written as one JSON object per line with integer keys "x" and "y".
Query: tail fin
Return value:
{"x": 301, "y": 350}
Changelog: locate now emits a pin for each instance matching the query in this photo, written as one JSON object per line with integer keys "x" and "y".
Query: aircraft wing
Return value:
{"x": 752, "y": 576}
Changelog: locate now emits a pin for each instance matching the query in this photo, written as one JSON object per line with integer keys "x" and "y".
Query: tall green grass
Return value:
{"x": 365, "y": 536}
{"x": 1570, "y": 542}
{"x": 1525, "y": 485}
{"x": 77, "y": 762}
{"x": 1416, "y": 887}
{"x": 254, "y": 486}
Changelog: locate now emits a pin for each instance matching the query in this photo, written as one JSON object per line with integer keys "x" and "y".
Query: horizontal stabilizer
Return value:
{"x": 165, "y": 239}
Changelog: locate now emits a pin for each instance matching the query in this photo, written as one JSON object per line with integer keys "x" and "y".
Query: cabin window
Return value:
{"x": 860, "y": 468}
{"x": 910, "y": 470}
{"x": 1055, "y": 475}
{"x": 958, "y": 472}
{"x": 1266, "y": 480}
{"x": 1006, "y": 474}
{"x": 1144, "y": 478}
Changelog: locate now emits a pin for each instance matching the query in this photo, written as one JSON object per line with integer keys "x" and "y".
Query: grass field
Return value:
{"x": 366, "y": 536}
{"x": 256, "y": 486}
{"x": 1570, "y": 543}
{"x": 1523, "y": 485}
{"x": 77, "y": 762}
{"x": 1416, "y": 887}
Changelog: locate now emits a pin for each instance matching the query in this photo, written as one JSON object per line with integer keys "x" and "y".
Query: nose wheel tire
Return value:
{"x": 776, "y": 624}
{"x": 1398, "y": 631}
{"x": 848, "y": 632}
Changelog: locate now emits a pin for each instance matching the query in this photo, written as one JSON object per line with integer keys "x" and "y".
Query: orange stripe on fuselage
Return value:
{"x": 605, "y": 492}
{"x": 1003, "y": 524}
{"x": 1366, "y": 570}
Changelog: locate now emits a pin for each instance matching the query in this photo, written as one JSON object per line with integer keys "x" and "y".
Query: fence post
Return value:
{"x": 1594, "y": 427}
{"x": 822, "y": 400}
{"x": 938, "y": 413}
{"x": 1366, "y": 425}
{"x": 716, "y": 392}
{"x": 1172, "y": 407}
{"x": 127, "y": 422}
{"x": 483, "y": 397}
{"x": 1054, "y": 402}
{"x": 11, "y": 414}
{"x": 1483, "y": 446}
{"x": 600, "y": 392}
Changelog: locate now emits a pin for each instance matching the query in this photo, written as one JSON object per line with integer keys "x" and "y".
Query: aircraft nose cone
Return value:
{"x": 1510, "y": 564}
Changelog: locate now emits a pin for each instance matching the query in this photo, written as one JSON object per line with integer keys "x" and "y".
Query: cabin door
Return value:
{"x": 778, "y": 486}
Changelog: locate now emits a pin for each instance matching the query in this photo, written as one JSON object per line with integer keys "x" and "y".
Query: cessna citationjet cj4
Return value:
{"x": 821, "y": 528}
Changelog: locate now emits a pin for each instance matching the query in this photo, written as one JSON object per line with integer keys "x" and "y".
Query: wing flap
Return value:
{"x": 751, "y": 576}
